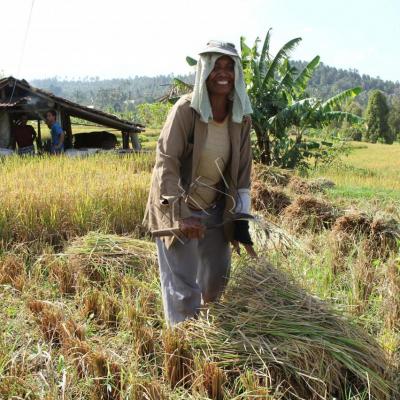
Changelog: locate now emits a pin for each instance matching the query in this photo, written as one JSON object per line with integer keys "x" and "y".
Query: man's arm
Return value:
{"x": 61, "y": 140}
{"x": 170, "y": 148}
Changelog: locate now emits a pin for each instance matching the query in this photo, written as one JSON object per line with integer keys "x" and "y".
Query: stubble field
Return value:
{"x": 317, "y": 316}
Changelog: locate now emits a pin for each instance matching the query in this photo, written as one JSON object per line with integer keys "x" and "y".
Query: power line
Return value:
{"x": 23, "y": 47}
{"x": 25, "y": 37}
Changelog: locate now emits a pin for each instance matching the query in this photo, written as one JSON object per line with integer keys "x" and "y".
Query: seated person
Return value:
{"x": 57, "y": 133}
{"x": 23, "y": 136}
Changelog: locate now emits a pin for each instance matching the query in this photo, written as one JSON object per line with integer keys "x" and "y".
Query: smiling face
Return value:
{"x": 222, "y": 78}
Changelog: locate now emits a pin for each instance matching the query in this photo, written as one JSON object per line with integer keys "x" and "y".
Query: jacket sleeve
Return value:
{"x": 243, "y": 182}
{"x": 170, "y": 150}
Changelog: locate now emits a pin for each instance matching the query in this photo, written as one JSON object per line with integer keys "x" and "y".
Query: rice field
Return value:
{"x": 369, "y": 171}
{"x": 316, "y": 317}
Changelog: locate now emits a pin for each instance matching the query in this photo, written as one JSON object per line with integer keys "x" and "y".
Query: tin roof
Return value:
{"x": 10, "y": 84}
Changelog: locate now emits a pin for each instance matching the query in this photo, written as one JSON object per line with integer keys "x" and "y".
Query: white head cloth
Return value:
{"x": 200, "y": 100}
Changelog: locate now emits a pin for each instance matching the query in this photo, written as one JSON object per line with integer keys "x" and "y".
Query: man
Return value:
{"x": 57, "y": 133}
{"x": 201, "y": 178}
{"x": 23, "y": 136}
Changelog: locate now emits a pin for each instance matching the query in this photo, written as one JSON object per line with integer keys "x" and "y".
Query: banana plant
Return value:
{"x": 280, "y": 102}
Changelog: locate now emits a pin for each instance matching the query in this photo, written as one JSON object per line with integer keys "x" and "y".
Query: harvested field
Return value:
{"x": 82, "y": 317}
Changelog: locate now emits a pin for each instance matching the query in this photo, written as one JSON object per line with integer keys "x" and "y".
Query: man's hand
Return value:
{"x": 249, "y": 248}
{"x": 192, "y": 228}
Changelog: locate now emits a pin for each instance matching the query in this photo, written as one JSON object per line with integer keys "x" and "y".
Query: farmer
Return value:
{"x": 23, "y": 135}
{"x": 57, "y": 133}
{"x": 201, "y": 178}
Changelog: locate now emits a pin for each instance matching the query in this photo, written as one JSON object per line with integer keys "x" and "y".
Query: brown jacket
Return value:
{"x": 178, "y": 152}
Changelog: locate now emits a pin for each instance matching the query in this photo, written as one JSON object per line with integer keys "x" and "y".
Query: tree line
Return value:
{"x": 123, "y": 94}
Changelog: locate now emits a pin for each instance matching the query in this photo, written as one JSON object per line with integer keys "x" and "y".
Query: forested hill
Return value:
{"x": 120, "y": 94}
{"x": 328, "y": 81}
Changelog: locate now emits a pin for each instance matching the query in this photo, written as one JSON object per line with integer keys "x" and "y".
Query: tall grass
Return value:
{"x": 54, "y": 198}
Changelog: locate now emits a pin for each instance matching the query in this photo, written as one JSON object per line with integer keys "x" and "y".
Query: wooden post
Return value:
{"x": 135, "y": 141}
{"x": 125, "y": 140}
{"x": 66, "y": 124}
{"x": 39, "y": 137}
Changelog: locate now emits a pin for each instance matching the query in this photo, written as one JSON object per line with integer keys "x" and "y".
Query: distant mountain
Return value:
{"x": 122, "y": 94}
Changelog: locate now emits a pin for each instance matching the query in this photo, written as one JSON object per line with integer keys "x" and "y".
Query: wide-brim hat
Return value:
{"x": 215, "y": 46}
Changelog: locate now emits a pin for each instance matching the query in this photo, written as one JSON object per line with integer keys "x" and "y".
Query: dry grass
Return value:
{"x": 358, "y": 233}
{"x": 12, "y": 271}
{"x": 271, "y": 176}
{"x": 270, "y": 199}
{"x": 302, "y": 186}
{"x": 310, "y": 213}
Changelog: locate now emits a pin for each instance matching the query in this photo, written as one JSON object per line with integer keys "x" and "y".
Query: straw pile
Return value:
{"x": 379, "y": 237}
{"x": 308, "y": 212}
{"x": 102, "y": 253}
{"x": 302, "y": 186}
{"x": 271, "y": 176}
{"x": 270, "y": 199}
{"x": 293, "y": 343}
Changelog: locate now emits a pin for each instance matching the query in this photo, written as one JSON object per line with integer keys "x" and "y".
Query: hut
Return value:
{"x": 19, "y": 97}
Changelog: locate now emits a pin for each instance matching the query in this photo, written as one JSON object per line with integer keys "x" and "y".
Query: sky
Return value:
{"x": 124, "y": 38}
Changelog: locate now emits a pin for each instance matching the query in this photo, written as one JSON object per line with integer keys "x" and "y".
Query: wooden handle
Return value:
{"x": 166, "y": 232}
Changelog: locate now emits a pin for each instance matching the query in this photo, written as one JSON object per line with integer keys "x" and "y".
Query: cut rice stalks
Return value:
{"x": 268, "y": 325}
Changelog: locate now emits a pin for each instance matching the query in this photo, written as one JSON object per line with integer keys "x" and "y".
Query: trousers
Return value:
{"x": 195, "y": 271}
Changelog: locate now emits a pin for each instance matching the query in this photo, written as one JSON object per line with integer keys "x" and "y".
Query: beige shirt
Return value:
{"x": 212, "y": 164}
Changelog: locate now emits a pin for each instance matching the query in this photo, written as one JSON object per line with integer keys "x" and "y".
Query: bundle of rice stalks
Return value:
{"x": 379, "y": 237}
{"x": 321, "y": 184}
{"x": 99, "y": 366}
{"x": 299, "y": 185}
{"x": 96, "y": 244}
{"x": 178, "y": 360}
{"x": 302, "y": 186}
{"x": 272, "y": 176}
{"x": 287, "y": 338}
{"x": 391, "y": 295}
{"x": 308, "y": 212}
{"x": 384, "y": 238}
{"x": 270, "y": 199}
{"x": 114, "y": 251}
